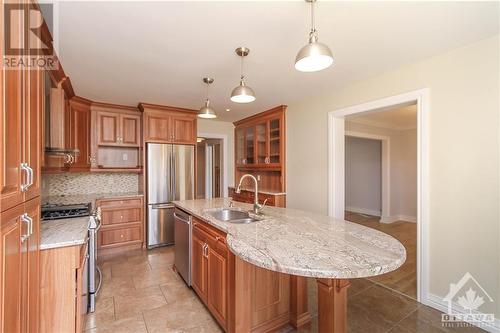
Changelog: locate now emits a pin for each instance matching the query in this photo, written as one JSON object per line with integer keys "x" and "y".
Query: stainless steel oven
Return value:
{"x": 94, "y": 273}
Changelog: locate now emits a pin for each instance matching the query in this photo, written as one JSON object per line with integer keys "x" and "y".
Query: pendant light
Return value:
{"x": 315, "y": 56}
{"x": 242, "y": 93}
{"x": 206, "y": 111}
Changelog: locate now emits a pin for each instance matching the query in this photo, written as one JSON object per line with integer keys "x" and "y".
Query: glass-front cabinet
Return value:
{"x": 259, "y": 144}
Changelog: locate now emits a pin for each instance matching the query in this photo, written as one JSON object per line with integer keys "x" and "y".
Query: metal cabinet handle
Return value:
{"x": 26, "y": 219}
{"x": 24, "y": 186}
{"x": 31, "y": 175}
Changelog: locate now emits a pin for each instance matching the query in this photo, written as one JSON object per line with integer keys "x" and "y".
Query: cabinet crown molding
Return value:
{"x": 156, "y": 107}
{"x": 259, "y": 116}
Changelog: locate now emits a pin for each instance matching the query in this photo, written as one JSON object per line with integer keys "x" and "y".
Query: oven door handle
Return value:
{"x": 100, "y": 280}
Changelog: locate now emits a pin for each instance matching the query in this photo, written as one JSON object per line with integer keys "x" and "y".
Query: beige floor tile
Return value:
{"x": 129, "y": 268}
{"x": 154, "y": 277}
{"x": 178, "y": 317}
{"x": 104, "y": 315}
{"x": 142, "y": 300}
{"x": 117, "y": 286}
{"x": 176, "y": 291}
{"x": 133, "y": 324}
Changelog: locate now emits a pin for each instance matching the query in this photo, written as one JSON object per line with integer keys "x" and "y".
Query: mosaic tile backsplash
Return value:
{"x": 89, "y": 183}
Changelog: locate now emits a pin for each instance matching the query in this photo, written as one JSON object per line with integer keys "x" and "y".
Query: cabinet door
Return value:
{"x": 157, "y": 128}
{"x": 275, "y": 137}
{"x": 240, "y": 146}
{"x": 80, "y": 134}
{"x": 183, "y": 129}
{"x": 217, "y": 281}
{"x": 11, "y": 272}
{"x": 250, "y": 145}
{"x": 32, "y": 208}
{"x": 130, "y": 130}
{"x": 262, "y": 143}
{"x": 11, "y": 176}
{"x": 199, "y": 266}
{"x": 108, "y": 128}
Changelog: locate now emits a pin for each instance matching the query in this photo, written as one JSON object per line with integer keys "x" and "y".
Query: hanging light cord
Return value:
{"x": 313, "y": 28}
{"x": 208, "y": 85}
{"x": 241, "y": 69}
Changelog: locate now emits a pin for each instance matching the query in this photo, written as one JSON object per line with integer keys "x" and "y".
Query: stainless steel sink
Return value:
{"x": 232, "y": 216}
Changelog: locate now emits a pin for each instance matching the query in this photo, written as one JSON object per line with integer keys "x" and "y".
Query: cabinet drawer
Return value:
{"x": 120, "y": 203}
{"x": 115, "y": 216}
{"x": 110, "y": 237}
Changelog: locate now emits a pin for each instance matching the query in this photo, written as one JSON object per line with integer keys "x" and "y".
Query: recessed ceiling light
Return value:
{"x": 227, "y": 110}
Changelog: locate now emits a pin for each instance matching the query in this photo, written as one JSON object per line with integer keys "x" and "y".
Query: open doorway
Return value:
{"x": 209, "y": 171}
{"x": 338, "y": 127}
{"x": 390, "y": 205}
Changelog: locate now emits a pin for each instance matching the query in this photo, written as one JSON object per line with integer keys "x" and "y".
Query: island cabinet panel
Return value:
{"x": 240, "y": 296}
{"x": 165, "y": 124}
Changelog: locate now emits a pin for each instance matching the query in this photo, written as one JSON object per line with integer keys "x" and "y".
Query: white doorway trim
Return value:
{"x": 224, "y": 158}
{"x": 386, "y": 170}
{"x": 336, "y": 181}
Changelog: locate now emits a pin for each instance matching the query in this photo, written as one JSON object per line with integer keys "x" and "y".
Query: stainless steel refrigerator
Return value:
{"x": 170, "y": 177}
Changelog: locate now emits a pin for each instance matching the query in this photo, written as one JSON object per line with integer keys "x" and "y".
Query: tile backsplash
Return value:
{"x": 89, "y": 183}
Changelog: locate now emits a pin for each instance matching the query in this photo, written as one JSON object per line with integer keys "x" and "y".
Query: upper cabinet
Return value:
{"x": 116, "y": 138}
{"x": 120, "y": 128}
{"x": 166, "y": 124}
{"x": 259, "y": 140}
{"x": 79, "y": 132}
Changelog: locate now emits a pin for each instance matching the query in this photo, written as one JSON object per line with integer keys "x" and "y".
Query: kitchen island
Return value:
{"x": 297, "y": 244}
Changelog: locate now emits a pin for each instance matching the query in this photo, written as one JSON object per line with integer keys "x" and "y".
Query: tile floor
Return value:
{"x": 141, "y": 294}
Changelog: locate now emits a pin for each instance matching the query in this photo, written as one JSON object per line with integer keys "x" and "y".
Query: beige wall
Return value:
{"x": 464, "y": 152}
{"x": 403, "y": 168}
{"x": 226, "y": 128}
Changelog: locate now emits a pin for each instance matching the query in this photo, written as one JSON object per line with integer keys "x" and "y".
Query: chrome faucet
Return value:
{"x": 257, "y": 208}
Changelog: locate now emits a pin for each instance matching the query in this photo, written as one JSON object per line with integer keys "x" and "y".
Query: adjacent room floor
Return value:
{"x": 141, "y": 294}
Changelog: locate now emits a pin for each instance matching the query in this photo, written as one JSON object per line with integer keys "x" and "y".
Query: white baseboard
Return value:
{"x": 394, "y": 218}
{"x": 363, "y": 211}
{"x": 437, "y": 303}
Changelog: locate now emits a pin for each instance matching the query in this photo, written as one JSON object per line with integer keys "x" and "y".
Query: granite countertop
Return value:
{"x": 84, "y": 198}
{"x": 302, "y": 243}
{"x": 63, "y": 232}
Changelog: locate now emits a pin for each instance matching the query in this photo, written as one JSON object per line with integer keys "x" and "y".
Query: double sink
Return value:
{"x": 233, "y": 216}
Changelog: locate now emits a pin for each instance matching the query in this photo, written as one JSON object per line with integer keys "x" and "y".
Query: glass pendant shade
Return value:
{"x": 242, "y": 94}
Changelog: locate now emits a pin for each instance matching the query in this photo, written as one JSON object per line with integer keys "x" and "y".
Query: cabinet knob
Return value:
{"x": 121, "y": 236}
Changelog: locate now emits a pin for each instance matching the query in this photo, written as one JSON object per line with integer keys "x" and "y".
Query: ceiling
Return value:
{"x": 157, "y": 52}
{"x": 396, "y": 118}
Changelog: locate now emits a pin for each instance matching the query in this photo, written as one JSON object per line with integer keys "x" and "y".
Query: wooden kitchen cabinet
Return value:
{"x": 210, "y": 269}
{"x": 121, "y": 128}
{"x": 122, "y": 225}
{"x": 164, "y": 124}
{"x": 62, "y": 289}
{"x": 79, "y": 132}
{"x": 19, "y": 264}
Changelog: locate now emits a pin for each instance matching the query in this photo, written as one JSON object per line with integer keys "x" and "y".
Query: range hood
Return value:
{"x": 56, "y": 113}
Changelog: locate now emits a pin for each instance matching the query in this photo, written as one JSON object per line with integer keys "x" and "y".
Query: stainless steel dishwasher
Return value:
{"x": 183, "y": 239}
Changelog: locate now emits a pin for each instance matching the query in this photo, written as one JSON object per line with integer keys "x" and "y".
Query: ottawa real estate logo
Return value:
{"x": 464, "y": 301}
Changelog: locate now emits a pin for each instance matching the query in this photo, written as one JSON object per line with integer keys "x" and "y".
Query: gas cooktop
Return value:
{"x": 54, "y": 211}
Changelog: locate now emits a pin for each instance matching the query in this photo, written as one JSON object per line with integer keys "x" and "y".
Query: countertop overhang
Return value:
{"x": 302, "y": 243}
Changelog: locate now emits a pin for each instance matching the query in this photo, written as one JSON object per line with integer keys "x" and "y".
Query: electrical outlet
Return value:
{"x": 125, "y": 157}
{"x": 258, "y": 178}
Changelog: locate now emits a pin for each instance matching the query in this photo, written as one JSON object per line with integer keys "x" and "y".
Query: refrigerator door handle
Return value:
{"x": 162, "y": 206}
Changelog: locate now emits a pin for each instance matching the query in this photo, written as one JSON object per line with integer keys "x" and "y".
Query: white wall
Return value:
{"x": 363, "y": 175}
{"x": 464, "y": 212}
{"x": 226, "y": 128}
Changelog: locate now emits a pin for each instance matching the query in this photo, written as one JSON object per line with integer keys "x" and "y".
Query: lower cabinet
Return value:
{"x": 62, "y": 290}
{"x": 210, "y": 270}
{"x": 122, "y": 224}
{"x": 19, "y": 276}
